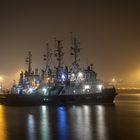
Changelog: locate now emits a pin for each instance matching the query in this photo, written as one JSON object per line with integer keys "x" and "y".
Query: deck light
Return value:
{"x": 44, "y": 90}
{"x": 80, "y": 74}
{"x": 100, "y": 87}
{"x": 72, "y": 74}
{"x": 87, "y": 87}
{"x": 63, "y": 77}
{"x": 30, "y": 90}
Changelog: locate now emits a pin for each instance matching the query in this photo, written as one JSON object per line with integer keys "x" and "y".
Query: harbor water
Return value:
{"x": 120, "y": 121}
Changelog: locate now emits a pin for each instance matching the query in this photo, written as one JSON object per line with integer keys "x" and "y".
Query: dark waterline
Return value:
{"x": 86, "y": 122}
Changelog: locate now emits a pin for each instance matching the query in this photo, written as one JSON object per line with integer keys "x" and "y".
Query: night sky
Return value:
{"x": 108, "y": 30}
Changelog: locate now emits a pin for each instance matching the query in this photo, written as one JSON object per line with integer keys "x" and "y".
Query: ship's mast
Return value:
{"x": 59, "y": 53}
{"x": 29, "y": 61}
{"x": 75, "y": 51}
{"x": 47, "y": 57}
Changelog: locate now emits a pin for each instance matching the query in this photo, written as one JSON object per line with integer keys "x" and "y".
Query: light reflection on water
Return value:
{"x": 81, "y": 122}
{"x": 62, "y": 123}
{"x": 44, "y": 123}
{"x": 101, "y": 126}
{"x": 85, "y": 122}
{"x": 31, "y": 127}
{"x": 3, "y": 130}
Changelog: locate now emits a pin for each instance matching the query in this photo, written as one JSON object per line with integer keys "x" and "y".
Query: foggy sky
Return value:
{"x": 109, "y": 33}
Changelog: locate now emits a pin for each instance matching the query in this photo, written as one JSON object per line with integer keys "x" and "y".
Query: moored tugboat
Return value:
{"x": 61, "y": 85}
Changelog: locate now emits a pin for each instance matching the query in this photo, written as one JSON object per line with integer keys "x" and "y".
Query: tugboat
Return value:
{"x": 61, "y": 85}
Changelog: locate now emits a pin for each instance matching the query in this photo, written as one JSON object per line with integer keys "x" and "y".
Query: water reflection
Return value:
{"x": 44, "y": 123}
{"x": 87, "y": 121}
{"x": 3, "y": 131}
{"x": 72, "y": 122}
{"x": 84, "y": 122}
{"x": 101, "y": 126}
{"x": 62, "y": 123}
{"x": 81, "y": 122}
{"x": 31, "y": 127}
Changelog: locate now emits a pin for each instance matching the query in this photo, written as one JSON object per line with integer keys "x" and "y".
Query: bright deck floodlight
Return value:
{"x": 44, "y": 90}
{"x": 30, "y": 90}
{"x": 100, "y": 87}
{"x": 87, "y": 87}
{"x": 63, "y": 77}
{"x": 80, "y": 74}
